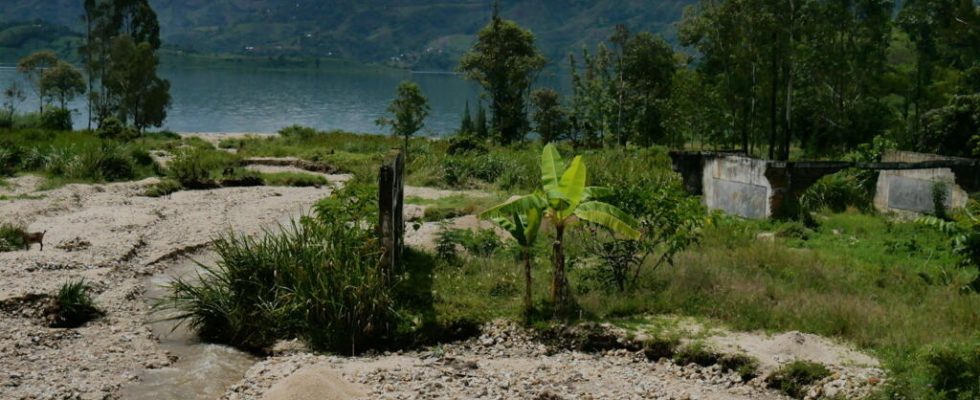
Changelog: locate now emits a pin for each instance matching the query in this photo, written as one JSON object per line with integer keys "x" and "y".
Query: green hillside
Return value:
{"x": 410, "y": 33}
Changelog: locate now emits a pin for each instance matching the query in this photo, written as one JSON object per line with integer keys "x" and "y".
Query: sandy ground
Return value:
{"x": 114, "y": 238}
{"x": 506, "y": 363}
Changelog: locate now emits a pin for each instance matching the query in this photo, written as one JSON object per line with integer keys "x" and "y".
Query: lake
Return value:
{"x": 248, "y": 100}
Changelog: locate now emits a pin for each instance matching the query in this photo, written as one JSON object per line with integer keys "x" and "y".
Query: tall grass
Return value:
{"x": 318, "y": 279}
{"x": 73, "y": 157}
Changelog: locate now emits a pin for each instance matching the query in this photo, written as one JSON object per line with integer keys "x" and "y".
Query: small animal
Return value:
{"x": 35, "y": 237}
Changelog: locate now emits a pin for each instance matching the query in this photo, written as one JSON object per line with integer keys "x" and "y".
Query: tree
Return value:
{"x": 550, "y": 119}
{"x": 648, "y": 70}
{"x": 122, "y": 37}
{"x": 563, "y": 199}
{"x": 33, "y": 67}
{"x": 12, "y": 95}
{"x": 409, "y": 111}
{"x": 482, "y": 131}
{"x": 504, "y": 61}
{"x": 947, "y": 130}
{"x": 139, "y": 95}
{"x": 63, "y": 82}
{"x": 466, "y": 126}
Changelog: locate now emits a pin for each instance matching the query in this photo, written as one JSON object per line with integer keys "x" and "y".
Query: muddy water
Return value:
{"x": 202, "y": 371}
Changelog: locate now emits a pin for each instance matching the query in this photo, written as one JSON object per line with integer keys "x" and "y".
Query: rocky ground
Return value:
{"x": 507, "y": 362}
{"x": 114, "y": 238}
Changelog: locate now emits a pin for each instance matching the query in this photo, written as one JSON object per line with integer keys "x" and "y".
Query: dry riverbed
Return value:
{"x": 116, "y": 239}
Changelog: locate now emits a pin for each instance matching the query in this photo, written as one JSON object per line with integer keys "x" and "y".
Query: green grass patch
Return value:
{"x": 793, "y": 379}
{"x": 12, "y": 237}
{"x": 73, "y": 306}
{"x": 297, "y": 179}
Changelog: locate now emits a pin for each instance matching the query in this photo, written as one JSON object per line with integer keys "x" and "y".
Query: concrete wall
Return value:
{"x": 910, "y": 190}
{"x": 754, "y": 188}
{"x": 737, "y": 185}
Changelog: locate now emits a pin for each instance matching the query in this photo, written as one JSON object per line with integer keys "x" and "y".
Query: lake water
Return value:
{"x": 244, "y": 100}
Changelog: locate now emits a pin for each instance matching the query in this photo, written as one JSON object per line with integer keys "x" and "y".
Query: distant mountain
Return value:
{"x": 410, "y": 33}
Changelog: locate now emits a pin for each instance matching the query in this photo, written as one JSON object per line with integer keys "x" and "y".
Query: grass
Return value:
{"x": 12, "y": 237}
{"x": 73, "y": 157}
{"x": 452, "y": 206}
{"x": 793, "y": 379}
{"x": 73, "y": 306}
{"x": 297, "y": 179}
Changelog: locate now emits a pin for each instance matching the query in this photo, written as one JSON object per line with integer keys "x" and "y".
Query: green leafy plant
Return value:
{"x": 12, "y": 237}
{"x": 793, "y": 378}
{"x": 73, "y": 306}
{"x": 319, "y": 280}
{"x": 563, "y": 199}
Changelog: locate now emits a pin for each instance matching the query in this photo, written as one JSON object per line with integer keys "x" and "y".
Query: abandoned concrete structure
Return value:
{"x": 755, "y": 188}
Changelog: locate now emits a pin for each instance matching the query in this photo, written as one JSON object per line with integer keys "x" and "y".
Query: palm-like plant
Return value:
{"x": 563, "y": 199}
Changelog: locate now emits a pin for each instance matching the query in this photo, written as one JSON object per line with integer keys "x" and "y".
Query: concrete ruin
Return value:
{"x": 755, "y": 188}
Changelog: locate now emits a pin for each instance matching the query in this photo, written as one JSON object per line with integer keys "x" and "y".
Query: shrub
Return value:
{"x": 113, "y": 129}
{"x": 105, "y": 162}
{"x": 745, "y": 366}
{"x": 837, "y": 192}
{"x": 165, "y": 187}
{"x": 319, "y": 280}
{"x": 298, "y": 132}
{"x": 465, "y": 144}
{"x": 9, "y": 159}
{"x": 696, "y": 353}
{"x": 953, "y": 370}
{"x": 197, "y": 168}
{"x": 462, "y": 170}
{"x": 73, "y": 306}
{"x": 56, "y": 119}
{"x": 12, "y": 237}
{"x": 240, "y": 177}
{"x": 793, "y": 378}
{"x": 294, "y": 179}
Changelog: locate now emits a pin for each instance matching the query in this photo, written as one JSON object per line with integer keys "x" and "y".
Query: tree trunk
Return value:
{"x": 558, "y": 285}
{"x": 528, "y": 305}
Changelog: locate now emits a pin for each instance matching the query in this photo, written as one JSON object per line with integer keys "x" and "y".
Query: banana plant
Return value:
{"x": 524, "y": 226}
{"x": 563, "y": 199}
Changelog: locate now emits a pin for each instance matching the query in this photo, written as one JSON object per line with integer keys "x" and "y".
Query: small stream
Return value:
{"x": 203, "y": 371}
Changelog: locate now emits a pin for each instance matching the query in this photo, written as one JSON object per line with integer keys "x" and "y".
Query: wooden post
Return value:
{"x": 391, "y": 198}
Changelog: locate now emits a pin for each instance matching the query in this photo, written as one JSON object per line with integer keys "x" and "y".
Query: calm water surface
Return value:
{"x": 245, "y": 100}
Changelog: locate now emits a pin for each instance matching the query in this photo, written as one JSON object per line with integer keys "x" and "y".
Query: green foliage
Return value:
{"x": 948, "y": 128}
{"x": 296, "y": 179}
{"x": 470, "y": 170}
{"x": 73, "y": 306}
{"x": 793, "y": 378}
{"x": 12, "y": 237}
{"x": 33, "y": 66}
{"x": 562, "y": 196}
{"x": 196, "y": 168}
{"x": 504, "y": 61}
{"x": 62, "y": 82}
{"x": 550, "y": 119}
{"x": 696, "y": 353}
{"x": 163, "y": 188}
{"x": 56, "y": 119}
{"x": 837, "y": 192}
{"x": 318, "y": 279}
{"x": 952, "y": 369}
{"x": 112, "y": 128}
{"x": 409, "y": 110}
